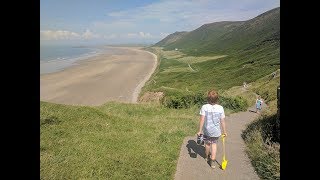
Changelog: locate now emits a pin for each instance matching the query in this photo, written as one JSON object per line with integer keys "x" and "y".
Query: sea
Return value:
{"x": 54, "y": 58}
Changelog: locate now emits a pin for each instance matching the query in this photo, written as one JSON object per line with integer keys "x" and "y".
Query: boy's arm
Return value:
{"x": 201, "y": 124}
{"x": 223, "y": 126}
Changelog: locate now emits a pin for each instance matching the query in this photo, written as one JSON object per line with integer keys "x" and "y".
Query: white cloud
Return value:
{"x": 139, "y": 35}
{"x": 145, "y": 35}
{"x": 58, "y": 35}
{"x": 66, "y": 35}
{"x": 89, "y": 35}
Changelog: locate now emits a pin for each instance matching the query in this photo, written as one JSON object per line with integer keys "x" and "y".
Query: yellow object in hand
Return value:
{"x": 224, "y": 161}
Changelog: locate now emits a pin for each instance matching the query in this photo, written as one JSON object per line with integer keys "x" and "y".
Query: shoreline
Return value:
{"x": 52, "y": 64}
{"x": 137, "y": 90}
{"x": 103, "y": 78}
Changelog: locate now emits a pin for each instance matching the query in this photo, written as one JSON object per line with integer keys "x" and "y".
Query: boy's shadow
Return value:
{"x": 194, "y": 149}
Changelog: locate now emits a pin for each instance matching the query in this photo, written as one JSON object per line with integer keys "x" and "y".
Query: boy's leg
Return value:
{"x": 213, "y": 153}
{"x": 207, "y": 150}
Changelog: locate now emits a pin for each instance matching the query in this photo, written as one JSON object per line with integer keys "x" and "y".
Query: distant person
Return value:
{"x": 258, "y": 104}
{"x": 212, "y": 123}
{"x": 244, "y": 84}
{"x": 273, "y": 75}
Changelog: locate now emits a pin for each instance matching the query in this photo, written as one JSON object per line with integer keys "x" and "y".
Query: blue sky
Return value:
{"x": 133, "y": 21}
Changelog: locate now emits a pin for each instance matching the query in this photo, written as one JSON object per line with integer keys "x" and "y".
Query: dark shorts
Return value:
{"x": 211, "y": 140}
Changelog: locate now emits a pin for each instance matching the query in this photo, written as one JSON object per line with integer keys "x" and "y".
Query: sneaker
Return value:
{"x": 212, "y": 163}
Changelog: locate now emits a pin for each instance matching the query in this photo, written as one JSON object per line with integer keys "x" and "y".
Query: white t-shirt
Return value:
{"x": 213, "y": 114}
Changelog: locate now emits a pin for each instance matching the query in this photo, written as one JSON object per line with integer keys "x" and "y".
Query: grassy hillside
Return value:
{"x": 226, "y": 55}
{"x": 194, "y": 41}
{"x": 265, "y": 86}
{"x": 133, "y": 141}
{"x": 113, "y": 141}
{"x": 231, "y": 37}
{"x": 186, "y": 74}
{"x": 126, "y": 141}
{"x": 171, "y": 38}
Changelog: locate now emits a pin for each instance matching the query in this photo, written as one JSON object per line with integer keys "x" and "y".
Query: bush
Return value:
{"x": 236, "y": 104}
{"x": 186, "y": 101}
{"x": 183, "y": 101}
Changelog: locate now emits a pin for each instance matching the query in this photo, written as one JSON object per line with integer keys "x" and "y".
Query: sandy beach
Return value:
{"x": 100, "y": 79}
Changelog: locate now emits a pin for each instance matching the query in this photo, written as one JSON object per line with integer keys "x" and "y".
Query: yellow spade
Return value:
{"x": 224, "y": 161}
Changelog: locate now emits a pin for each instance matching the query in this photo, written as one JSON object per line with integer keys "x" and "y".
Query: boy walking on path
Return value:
{"x": 212, "y": 123}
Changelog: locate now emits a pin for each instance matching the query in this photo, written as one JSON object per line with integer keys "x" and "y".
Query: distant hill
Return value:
{"x": 171, "y": 38}
{"x": 247, "y": 51}
{"x": 228, "y": 36}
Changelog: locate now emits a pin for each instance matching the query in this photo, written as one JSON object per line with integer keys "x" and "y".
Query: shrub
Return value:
{"x": 186, "y": 101}
{"x": 183, "y": 101}
{"x": 236, "y": 104}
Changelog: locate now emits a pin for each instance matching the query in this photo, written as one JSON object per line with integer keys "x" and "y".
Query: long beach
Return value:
{"x": 99, "y": 79}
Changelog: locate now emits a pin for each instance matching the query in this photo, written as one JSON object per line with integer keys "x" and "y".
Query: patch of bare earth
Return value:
{"x": 151, "y": 97}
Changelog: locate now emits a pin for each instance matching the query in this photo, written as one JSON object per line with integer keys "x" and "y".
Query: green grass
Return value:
{"x": 265, "y": 86}
{"x": 177, "y": 80}
{"x": 177, "y": 69}
{"x": 221, "y": 74}
{"x": 113, "y": 141}
{"x": 262, "y": 149}
{"x": 184, "y": 58}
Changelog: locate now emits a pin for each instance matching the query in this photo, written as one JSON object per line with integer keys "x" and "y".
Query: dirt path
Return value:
{"x": 191, "y": 163}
